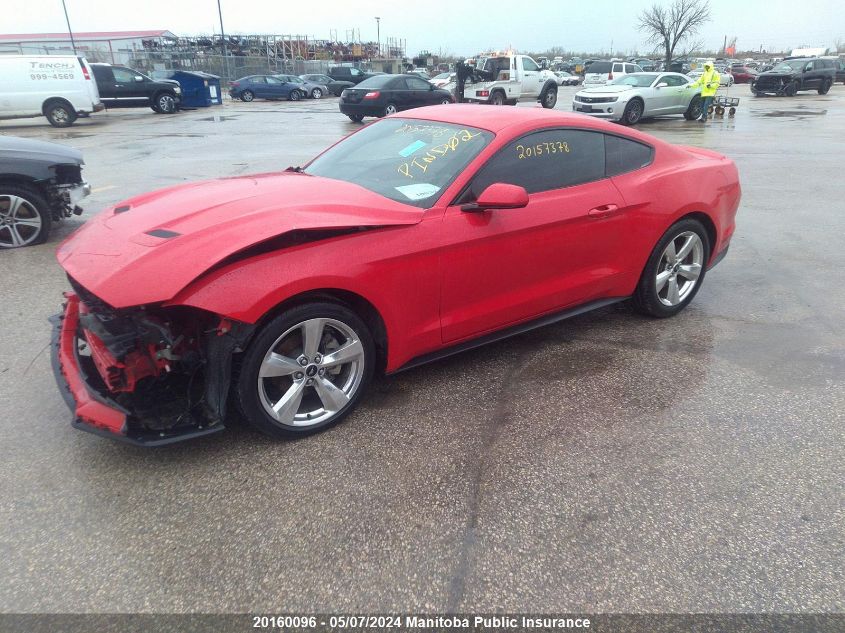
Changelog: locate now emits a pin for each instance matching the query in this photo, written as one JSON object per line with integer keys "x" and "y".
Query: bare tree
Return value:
{"x": 666, "y": 27}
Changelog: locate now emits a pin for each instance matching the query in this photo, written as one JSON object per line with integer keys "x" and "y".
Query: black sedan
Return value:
{"x": 386, "y": 94}
{"x": 334, "y": 86}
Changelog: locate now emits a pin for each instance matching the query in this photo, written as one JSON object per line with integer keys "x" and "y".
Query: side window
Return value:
{"x": 259, "y": 80}
{"x": 273, "y": 81}
{"x": 617, "y": 68}
{"x": 674, "y": 80}
{"x": 624, "y": 155}
{"x": 123, "y": 75}
{"x": 528, "y": 64}
{"x": 355, "y": 72}
{"x": 415, "y": 83}
{"x": 544, "y": 161}
{"x": 104, "y": 74}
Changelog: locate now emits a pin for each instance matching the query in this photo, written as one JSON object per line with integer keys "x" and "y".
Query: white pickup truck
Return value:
{"x": 500, "y": 79}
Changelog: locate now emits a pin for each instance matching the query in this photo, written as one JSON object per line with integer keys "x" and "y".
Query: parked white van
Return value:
{"x": 60, "y": 87}
{"x": 602, "y": 72}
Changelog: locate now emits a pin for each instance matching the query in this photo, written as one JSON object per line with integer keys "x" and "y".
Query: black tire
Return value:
{"x": 317, "y": 93}
{"x": 791, "y": 89}
{"x": 164, "y": 103}
{"x": 60, "y": 113}
{"x": 247, "y": 96}
{"x": 294, "y": 95}
{"x": 37, "y": 205}
{"x": 645, "y": 298}
{"x": 356, "y": 118}
{"x": 248, "y": 396}
{"x": 633, "y": 112}
{"x": 445, "y": 101}
{"x": 695, "y": 108}
{"x": 549, "y": 98}
{"x": 825, "y": 87}
{"x": 389, "y": 109}
{"x": 497, "y": 98}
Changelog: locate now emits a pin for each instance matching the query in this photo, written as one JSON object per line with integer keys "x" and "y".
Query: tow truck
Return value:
{"x": 505, "y": 78}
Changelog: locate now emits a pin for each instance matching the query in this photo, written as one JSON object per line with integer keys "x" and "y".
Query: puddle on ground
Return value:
{"x": 217, "y": 118}
{"x": 795, "y": 113}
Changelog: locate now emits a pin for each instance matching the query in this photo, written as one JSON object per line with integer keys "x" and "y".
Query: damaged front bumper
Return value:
{"x": 94, "y": 409}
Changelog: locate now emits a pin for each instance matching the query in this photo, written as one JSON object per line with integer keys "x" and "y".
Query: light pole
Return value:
{"x": 70, "y": 32}
{"x": 378, "y": 35}
{"x": 222, "y": 41}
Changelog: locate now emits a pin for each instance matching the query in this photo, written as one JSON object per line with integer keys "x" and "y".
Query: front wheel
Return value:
{"x": 294, "y": 95}
{"x": 633, "y": 112}
{"x": 674, "y": 271}
{"x": 165, "y": 103}
{"x": 24, "y": 217}
{"x": 305, "y": 370}
{"x": 791, "y": 89}
{"x": 356, "y": 118}
{"x": 317, "y": 93}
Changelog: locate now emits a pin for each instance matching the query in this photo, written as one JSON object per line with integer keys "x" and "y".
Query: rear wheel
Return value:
{"x": 633, "y": 112}
{"x": 695, "y": 108}
{"x": 305, "y": 370}
{"x": 247, "y": 95}
{"x": 24, "y": 217}
{"x": 356, "y": 118}
{"x": 60, "y": 114}
{"x": 674, "y": 271}
{"x": 497, "y": 98}
{"x": 825, "y": 87}
{"x": 445, "y": 101}
{"x": 389, "y": 109}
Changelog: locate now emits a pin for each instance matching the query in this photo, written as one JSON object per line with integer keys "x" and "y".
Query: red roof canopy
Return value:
{"x": 90, "y": 35}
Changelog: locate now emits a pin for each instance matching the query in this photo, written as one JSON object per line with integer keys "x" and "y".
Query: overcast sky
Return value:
{"x": 461, "y": 27}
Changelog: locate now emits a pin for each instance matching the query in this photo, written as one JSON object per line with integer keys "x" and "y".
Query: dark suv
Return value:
{"x": 122, "y": 87}
{"x": 792, "y": 75}
{"x": 347, "y": 73}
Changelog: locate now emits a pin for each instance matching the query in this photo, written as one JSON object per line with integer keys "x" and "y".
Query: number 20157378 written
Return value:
{"x": 541, "y": 149}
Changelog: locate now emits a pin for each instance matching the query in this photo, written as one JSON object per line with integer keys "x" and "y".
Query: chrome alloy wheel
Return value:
{"x": 311, "y": 372}
{"x": 679, "y": 268}
{"x": 20, "y": 223}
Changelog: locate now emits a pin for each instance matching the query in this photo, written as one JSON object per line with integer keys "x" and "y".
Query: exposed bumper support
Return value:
{"x": 94, "y": 411}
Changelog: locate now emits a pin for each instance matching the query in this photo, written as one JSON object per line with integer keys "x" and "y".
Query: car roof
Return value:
{"x": 498, "y": 119}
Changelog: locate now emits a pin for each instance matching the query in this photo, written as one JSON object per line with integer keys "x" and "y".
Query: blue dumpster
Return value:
{"x": 199, "y": 89}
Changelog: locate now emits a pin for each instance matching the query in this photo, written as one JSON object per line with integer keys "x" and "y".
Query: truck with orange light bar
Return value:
{"x": 505, "y": 79}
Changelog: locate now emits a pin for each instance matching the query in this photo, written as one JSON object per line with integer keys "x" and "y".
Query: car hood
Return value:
{"x": 606, "y": 89}
{"x": 14, "y": 148}
{"x": 148, "y": 248}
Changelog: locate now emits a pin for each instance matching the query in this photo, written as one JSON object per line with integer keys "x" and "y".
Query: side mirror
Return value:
{"x": 662, "y": 84}
{"x": 499, "y": 195}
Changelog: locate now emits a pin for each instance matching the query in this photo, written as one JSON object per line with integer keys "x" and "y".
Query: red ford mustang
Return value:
{"x": 414, "y": 238}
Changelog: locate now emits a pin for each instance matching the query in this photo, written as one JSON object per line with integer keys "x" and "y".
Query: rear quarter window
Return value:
{"x": 623, "y": 155}
{"x": 600, "y": 67}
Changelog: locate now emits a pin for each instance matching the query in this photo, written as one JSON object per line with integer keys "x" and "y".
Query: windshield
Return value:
{"x": 407, "y": 160}
{"x": 790, "y": 65}
{"x": 638, "y": 80}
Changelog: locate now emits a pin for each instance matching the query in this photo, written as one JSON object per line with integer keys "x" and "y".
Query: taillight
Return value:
{"x": 375, "y": 94}
{"x": 482, "y": 93}
{"x": 610, "y": 76}
{"x": 84, "y": 70}
{"x": 234, "y": 84}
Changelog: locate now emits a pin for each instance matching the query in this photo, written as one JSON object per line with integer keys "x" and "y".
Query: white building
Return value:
{"x": 99, "y": 46}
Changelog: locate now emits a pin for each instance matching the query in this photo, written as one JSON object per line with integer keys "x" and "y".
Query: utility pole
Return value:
{"x": 69, "y": 30}
{"x": 222, "y": 40}
{"x": 378, "y": 35}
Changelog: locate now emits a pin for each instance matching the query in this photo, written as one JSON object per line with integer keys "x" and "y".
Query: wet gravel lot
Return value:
{"x": 607, "y": 463}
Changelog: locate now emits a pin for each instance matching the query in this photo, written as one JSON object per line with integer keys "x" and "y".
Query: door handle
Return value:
{"x": 603, "y": 211}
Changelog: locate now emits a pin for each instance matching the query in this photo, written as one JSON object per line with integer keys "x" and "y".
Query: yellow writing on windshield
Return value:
{"x": 421, "y": 163}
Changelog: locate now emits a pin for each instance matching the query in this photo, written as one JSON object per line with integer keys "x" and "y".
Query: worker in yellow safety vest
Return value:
{"x": 709, "y": 83}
